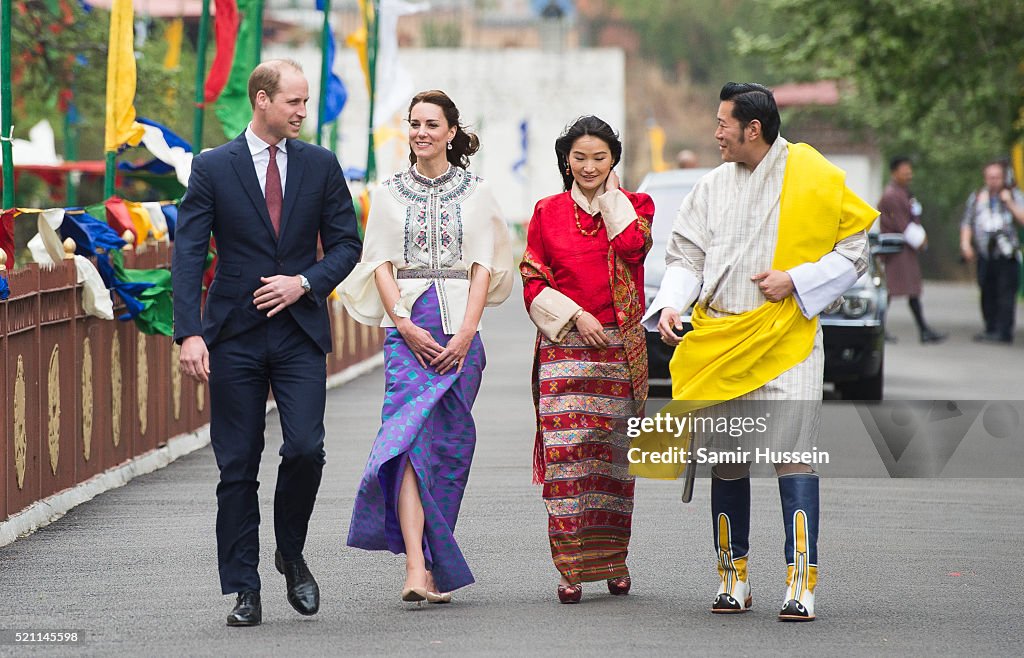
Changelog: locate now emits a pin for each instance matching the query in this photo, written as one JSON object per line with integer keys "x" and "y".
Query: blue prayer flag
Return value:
{"x": 89, "y": 233}
{"x": 171, "y": 215}
{"x": 336, "y": 94}
{"x": 524, "y": 143}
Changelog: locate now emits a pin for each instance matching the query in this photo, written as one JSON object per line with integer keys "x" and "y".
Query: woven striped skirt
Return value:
{"x": 584, "y": 397}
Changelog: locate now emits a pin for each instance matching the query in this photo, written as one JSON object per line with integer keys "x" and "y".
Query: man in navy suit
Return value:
{"x": 266, "y": 197}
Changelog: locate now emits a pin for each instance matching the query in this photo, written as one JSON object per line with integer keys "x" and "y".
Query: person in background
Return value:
{"x": 686, "y": 159}
{"x": 988, "y": 236}
{"x": 901, "y": 213}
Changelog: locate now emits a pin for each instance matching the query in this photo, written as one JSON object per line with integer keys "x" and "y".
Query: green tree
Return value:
{"x": 939, "y": 80}
{"x": 692, "y": 37}
{"x": 61, "y": 55}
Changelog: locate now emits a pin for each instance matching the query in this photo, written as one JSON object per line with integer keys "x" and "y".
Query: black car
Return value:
{"x": 853, "y": 335}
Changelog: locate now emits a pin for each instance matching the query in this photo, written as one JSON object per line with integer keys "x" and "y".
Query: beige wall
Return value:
{"x": 495, "y": 90}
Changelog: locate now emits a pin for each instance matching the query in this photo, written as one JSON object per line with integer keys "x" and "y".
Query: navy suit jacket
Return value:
{"x": 224, "y": 198}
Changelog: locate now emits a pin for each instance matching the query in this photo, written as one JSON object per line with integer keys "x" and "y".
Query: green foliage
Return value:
{"x": 939, "y": 80}
{"x": 693, "y": 37}
{"x": 44, "y": 52}
{"x": 45, "y": 49}
{"x": 441, "y": 34}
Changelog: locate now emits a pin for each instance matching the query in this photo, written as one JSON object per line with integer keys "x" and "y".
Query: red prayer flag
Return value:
{"x": 7, "y": 235}
{"x": 226, "y": 24}
{"x": 118, "y": 217}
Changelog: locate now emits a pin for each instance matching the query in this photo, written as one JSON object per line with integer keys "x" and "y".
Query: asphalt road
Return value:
{"x": 917, "y": 566}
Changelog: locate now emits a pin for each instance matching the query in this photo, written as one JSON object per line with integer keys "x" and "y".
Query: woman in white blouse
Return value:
{"x": 436, "y": 252}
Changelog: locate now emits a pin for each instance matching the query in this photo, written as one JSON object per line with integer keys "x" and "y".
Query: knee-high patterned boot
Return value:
{"x": 799, "y": 495}
{"x": 730, "y": 511}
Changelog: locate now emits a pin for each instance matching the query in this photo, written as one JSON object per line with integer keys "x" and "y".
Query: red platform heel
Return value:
{"x": 570, "y": 593}
{"x": 619, "y": 586}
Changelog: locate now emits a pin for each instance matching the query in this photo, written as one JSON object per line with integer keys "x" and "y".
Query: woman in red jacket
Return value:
{"x": 583, "y": 285}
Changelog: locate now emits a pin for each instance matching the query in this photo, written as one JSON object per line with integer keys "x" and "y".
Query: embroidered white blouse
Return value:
{"x": 417, "y": 223}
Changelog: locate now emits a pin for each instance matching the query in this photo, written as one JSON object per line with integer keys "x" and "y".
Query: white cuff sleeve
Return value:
{"x": 821, "y": 283}
{"x": 679, "y": 288}
{"x": 553, "y": 312}
{"x": 617, "y": 211}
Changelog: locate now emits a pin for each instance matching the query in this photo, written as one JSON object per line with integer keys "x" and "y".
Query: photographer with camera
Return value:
{"x": 988, "y": 234}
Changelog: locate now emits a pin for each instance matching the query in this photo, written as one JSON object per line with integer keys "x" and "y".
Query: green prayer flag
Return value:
{"x": 233, "y": 108}
{"x": 98, "y": 210}
{"x": 157, "y": 316}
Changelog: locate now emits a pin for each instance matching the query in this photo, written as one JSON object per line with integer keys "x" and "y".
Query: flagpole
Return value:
{"x": 109, "y": 174}
{"x": 200, "y": 112}
{"x": 71, "y": 150}
{"x": 259, "y": 30}
{"x": 5, "y": 103}
{"x": 371, "y": 57}
{"x": 325, "y": 71}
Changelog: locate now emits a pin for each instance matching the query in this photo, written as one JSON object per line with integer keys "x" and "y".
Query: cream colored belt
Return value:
{"x": 433, "y": 274}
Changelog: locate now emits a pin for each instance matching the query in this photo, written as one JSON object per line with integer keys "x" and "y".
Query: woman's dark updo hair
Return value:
{"x": 464, "y": 144}
{"x": 588, "y": 125}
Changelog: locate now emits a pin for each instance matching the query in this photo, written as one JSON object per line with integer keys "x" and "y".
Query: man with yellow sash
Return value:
{"x": 763, "y": 244}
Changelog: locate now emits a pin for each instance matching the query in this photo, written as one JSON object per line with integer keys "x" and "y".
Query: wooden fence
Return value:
{"x": 82, "y": 395}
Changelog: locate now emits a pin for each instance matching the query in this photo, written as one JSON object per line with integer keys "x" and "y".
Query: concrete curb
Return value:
{"x": 48, "y": 510}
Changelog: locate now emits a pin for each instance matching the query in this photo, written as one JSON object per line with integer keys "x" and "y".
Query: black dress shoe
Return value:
{"x": 303, "y": 592}
{"x": 929, "y": 336}
{"x": 991, "y": 337}
{"x": 248, "y": 610}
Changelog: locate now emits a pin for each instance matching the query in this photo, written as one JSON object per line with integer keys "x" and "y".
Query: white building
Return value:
{"x": 496, "y": 91}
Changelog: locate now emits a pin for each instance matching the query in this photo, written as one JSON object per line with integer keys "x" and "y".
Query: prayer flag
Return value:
{"x": 233, "y": 108}
{"x": 226, "y": 32}
{"x": 121, "y": 127}
{"x": 656, "y": 139}
{"x": 335, "y": 92}
{"x": 357, "y": 40}
{"x": 173, "y": 35}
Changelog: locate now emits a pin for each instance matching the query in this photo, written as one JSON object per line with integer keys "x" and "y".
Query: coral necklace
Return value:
{"x": 597, "y": 220}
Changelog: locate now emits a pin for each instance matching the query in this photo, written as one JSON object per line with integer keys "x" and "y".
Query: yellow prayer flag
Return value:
{"x": 1017, "y": 159}
{"x": 173, "y": 35}
{"x": 141, "y": 220}
{"x": 384, "y": 134}
{"x": 656, "y": 138}
{"x": 121, "y": 125}
{"x": 358, "y": 40}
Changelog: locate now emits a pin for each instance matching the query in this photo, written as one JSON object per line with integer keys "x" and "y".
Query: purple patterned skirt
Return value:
{"x": 426, "y": 420}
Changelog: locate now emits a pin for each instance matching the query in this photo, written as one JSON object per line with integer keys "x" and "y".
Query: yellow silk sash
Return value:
{"x": 726, "y": 357}
{"x": 723, "y": 358}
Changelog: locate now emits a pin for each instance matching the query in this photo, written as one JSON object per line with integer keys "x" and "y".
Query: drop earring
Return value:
{"x": 449, "y": 146}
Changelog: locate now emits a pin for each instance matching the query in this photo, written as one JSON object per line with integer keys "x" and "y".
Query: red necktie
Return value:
{"x": 273, "y": 191}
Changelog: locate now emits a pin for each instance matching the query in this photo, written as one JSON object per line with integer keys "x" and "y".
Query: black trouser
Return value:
{"x": 279, "y": 356}
{"x": 999, "y": 279}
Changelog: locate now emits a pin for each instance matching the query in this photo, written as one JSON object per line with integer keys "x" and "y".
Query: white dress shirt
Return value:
{"x": 260, "y": 151}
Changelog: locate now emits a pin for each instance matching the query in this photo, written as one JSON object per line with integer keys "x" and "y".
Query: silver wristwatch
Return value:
{"x": 305, "y": 284}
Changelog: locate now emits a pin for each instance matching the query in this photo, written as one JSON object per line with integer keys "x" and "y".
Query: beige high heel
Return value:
{"x": 443, "y": 597}
{"x": 414, "y": 594}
